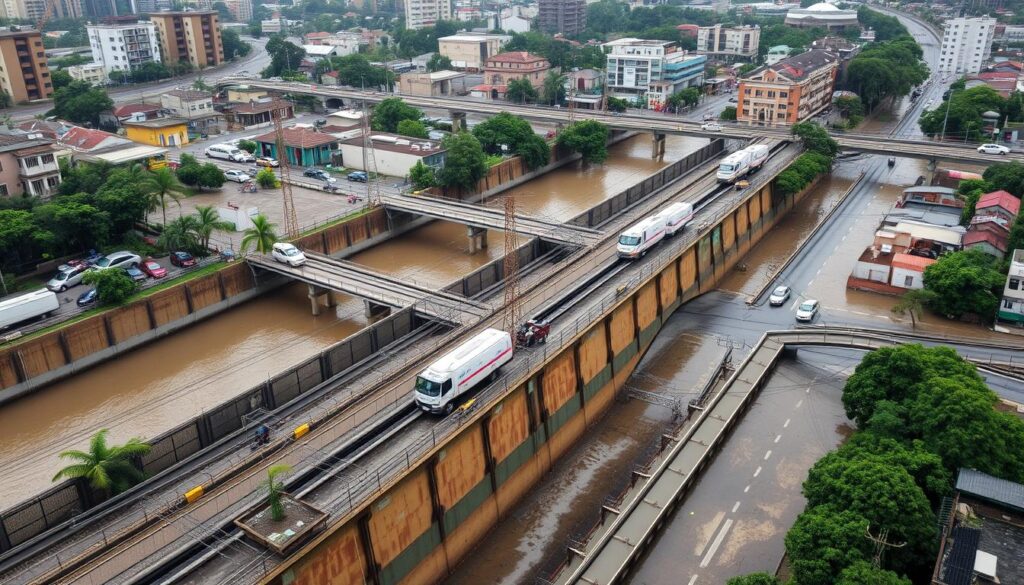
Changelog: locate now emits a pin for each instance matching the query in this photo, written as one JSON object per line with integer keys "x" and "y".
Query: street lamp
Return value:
{"x": 945, "y": 120}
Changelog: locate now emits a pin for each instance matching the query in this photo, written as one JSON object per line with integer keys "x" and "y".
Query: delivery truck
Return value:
{"x": 641, "y": 237}
{"x": 742, "y": 162}
{"x": 676, "y": 216}
{"x": 27, "y": 306}
{"x": 458, "y": 371}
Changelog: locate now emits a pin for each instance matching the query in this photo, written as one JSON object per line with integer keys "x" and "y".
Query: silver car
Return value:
{"x": 807, "y": 310}
{"x": 122, "y": 259}
{"x": 66, "y": 277}
{"x": 779, "y": 296}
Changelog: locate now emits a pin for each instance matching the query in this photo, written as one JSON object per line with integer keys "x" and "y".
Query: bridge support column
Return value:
{"x": 314, "y": 295}
{"x": 477, "y": 239}
{"x": 932, "y": 166}
{"x": 458, "y": 122}
{"x": 657, "y": 145}
{"x": 373, "y": 309}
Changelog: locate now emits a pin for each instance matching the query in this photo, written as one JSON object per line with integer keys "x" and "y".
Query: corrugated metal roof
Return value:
{"x": 991, "y": 488}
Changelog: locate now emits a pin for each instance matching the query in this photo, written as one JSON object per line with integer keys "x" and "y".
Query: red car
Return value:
{"x": 183, "y": 259}
{"x": 152, "y": 269}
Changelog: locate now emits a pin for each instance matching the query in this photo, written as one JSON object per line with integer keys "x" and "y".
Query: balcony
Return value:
{"x": 39, "y": 169}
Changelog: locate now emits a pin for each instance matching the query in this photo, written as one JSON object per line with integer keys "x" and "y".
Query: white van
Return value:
{"x": 453, "y": 374}
{"x": 635, "y": 241}
{"x": 27, "y": 306}
{"x": 226, "y": 152}
{"x": 676, "y": 216}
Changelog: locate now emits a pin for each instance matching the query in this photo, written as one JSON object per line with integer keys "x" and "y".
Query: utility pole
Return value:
{"x": 881, "y": 542}
{"x": 291, "y": 220}
{"x": 511, "y": 317}
{"x": 370, "y": 162}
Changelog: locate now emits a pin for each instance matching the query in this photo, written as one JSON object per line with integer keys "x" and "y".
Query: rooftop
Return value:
{"x": 299, "y": 138}
{"x": 797, "y": 67}
{"x": 184, "y": 13}
{"x": 515, "y": 57}
{"x": 189, "y": 94}
{"x": 158, "y": 123}
{"x": 474, "y": 37}
{"x": 1001, "y": 492}
{"x": 88, "y": 139}
{"x": 398, "y": 143}
{"x": 909, "y": 262}
{"x": 132, "y": 109}
{"x": 17, "y": 31}
{"x": 261, "y": 107}
{"x": 999, "y": 199}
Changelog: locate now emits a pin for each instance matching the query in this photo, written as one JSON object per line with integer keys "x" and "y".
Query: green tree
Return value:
{"x": 234, "y": 46}
{"x": 465, "y": 162}
{"x": 864, "y": 573}
{"x": 959, "y": 116}
{"x": 163, "y": 186}
{"x": 516, "y": 136}
{"x": 754, "y": 579}
{"x": 389, "y": 112}
{"x": 553, "y": 89}
{"x": 412, "y": 129}
{"x": 261, "y": 236}
{"x": 1006, "y": 176}
{"x": 912, "y": 303}
{"x": 886, "y": 70}
{"x": 685, "y": 98}
{"x": 438, "y": 62}
{"x": 422, "y": 176}
{"x": 80, "y": 102}
{"x": 285, "y": 56}
{"x": 275, "y": 488}
{"x": 970, "y": 191}
{"x": 108, "y": 469}
{"x": 5, "y": 99}
{"x": 587, "y": 137}
{"x": 728, "y": 114}
{"x": 113, "y": 285}
{"x": 249, "y": 146}
{"x": 965, "y": 282}
{"x": 211, "y": 177}
{"x": 181, "y": 233}
{"x": 74, "y": 223}
{"x": 520, "y": 91}
{"x": 617, "y": 104}
{"x": 267, "y": 179}
{"x": 60, "y": 78}
{"x": 816, "y": 139}
{"x": 207, "y": 222}
{"x": 823, "y": 541}
{"x": 851, "y": 108}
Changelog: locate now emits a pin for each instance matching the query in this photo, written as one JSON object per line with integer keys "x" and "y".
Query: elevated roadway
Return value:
{"x": 359, "y": 281}
{"x": 658, "y": 124}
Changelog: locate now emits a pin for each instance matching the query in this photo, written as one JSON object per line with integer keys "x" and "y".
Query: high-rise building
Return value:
{"x": 568, "y": 17}
{"x": 740, "y": 41}
{"x": 189, "y": 36}
{"x": 241, "y": 10}
{"x": 422, "y": 13}
{"x": 123, "y": 47}
{"x": 966, "y": 44}
{"x": 650, "y": 71}
{"x": 67, "y": 9}
{"x": 24, "y": 74}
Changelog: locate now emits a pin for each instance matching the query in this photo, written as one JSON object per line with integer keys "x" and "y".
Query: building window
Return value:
{"x": 47, "y": 158}
{"x": 31, "y": 162}
{"x": 1007, "y": 303}
{"x": 908, "y": 281}
{"x": 1014, "y": 284}
{"x": 3, "y": 190}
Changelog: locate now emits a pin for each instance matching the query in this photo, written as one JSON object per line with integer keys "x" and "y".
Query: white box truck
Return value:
{"x": 27, "y": 306}
{"x": 742, "y": 162}
{"x": 461, "y": 369}
{"x": 641, "y": 237}
{"x": 676, "y": 216}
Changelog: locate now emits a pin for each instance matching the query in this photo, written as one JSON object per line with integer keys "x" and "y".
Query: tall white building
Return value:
{"x": 421, "y": 13}
{"x": 966, "y": 44}
{"x": 740, "y": 41}
{"x": 122, "y": 47}
{"x": 650, "y": 70}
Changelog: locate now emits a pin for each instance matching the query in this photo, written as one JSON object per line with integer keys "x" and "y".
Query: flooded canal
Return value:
{"x": 158, "y": 386}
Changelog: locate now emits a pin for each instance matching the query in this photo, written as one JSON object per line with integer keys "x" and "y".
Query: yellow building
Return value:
{"x": 158, "y": 132}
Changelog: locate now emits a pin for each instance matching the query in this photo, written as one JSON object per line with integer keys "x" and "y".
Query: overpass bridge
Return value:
{"x": 323, "y": 273}
{"x": 628, "y": 528}
{"x": 482, "y": 217}
{"x": 659, "y": 125}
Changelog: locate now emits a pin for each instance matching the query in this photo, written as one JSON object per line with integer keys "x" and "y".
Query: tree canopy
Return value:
{"x": 389, "y": 112}
{"x": 80, "y": 102}
{"x": 521, "y": 91}
{"x": 285, "y": 56}
{"x": 1006, "y": 176}
{"x": 516, "y": 135}
{"x": 587, "y": 137}
{"x": 960, "y": 114}
{"x": 465, "y": 162}
{"x": 886, "y": 70}
{"x": 964, "y": 282}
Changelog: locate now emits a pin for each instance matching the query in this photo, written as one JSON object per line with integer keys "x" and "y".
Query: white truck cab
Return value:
{"x": 641, "y": 237}
{"x": 476, "y": 360}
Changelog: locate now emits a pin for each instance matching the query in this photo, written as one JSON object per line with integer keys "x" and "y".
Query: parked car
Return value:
{"x": 320, "y": 123}
{"x": 154, "y": 270}
{"x": 993, "y": 149}
{"x": 246, "y": 156}
{"x": 66, "y": 277}
{"x": 779, "y": 296}
{"x": 733, "y": 100}
{"x": 87, "y": 298}
{"x": 226, "y": 152}
{"x": 711, "y": 126}
{"x": 182, "y": 259}
{"x": 288, "y": 254}
{"x": 807, "y": 310}
{"x": 237, "y": 176}
{"x": 358, "y": 176}
{"x": 267, "y": 161}
{"x": 319, "y": 174}
{"x": 136, "y": 274}
{"x": 120, "y": 259}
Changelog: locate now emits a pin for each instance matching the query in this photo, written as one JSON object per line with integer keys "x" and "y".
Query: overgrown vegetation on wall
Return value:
{"x": 821, "y": 150}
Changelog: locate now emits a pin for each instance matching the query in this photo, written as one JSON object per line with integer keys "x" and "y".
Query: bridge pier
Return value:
{"x": 458, "y": 122}
{"x": 314, "y": 294}
{"x": 372, "y": 309}
{"x": 931, "y": 166}
{"x": 477, "y": 239}
{"x": 657, "y": 145}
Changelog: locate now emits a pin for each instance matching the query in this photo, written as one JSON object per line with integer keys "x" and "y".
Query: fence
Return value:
{"x": 492, "y": 273}
{"x": 59, "y": 504}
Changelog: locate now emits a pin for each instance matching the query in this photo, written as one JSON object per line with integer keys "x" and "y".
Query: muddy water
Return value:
{"x": 437, "y": 253}
{"x": 150, "y": 390}
{"x": 531, "y": 540}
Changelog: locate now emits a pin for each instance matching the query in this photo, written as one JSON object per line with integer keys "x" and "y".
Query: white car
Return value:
{"x": 122, "y": 259}
{"x": 711, "y": 126}
{"x": 237, "y": 176}
{"x": 993, "y": 149}
{"x": 779, "y": 296}
{"x": 288, "y": 254}
{"x": 807, "y": 310}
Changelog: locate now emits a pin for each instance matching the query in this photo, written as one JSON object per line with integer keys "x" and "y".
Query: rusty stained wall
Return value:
{"x": 343, "y": 562}
{"x": 561, "y": 402}
{"x": 464, "y": 492}
{"x": 518, "y": 462}
{"x": 595, "y": 371}
{"x": 403, "y": 535}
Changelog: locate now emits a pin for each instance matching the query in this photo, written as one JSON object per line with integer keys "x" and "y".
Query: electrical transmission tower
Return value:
{"x": 881, "y": 542}
{"x": 510, "y": 321}
{"x": 370, "y": 163}
{"x": 291, "y": 219}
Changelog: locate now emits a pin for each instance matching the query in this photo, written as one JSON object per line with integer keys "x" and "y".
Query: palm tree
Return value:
{"x": 162, "y": 185}
{"x": 274, "y": 489}
{"x": 261, "y": 235}
{"x": 181, "y": 234}
{"x": 208, "y": 220}
{"x": 108, "y": 469}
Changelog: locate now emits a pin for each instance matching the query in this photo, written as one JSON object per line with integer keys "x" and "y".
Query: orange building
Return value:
{"x": 24, "y": 74}
{"x": 189, "y": 36}
{"x": 502, "y": 68}
{"x": 789, "y": 91}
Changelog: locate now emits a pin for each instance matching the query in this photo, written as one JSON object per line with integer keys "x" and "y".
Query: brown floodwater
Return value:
{"x": 160, "y": 385}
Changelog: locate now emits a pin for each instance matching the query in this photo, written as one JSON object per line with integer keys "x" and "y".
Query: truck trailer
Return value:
{"x": 459, "y": 370}
{"x": 27, "y": 306}
{"x": 641, "y": 237}
{"x": 742, "y": 162}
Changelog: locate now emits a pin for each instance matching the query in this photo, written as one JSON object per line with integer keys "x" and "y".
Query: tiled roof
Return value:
{"x": 515, "y": 57}
{"x": 299, "y": 138}
{"x": 798, "y": 67}
{"x": 910, "y": 262}
{"x": 190, "y": 94}
{"x": 996, "y": 240}
{"x": 129, "y": 109}
{"x": 991, "y": 488}
{"x": 260, "y": 107}
{"x": 87, "y": 139}
{"x": 1000, "y": 199}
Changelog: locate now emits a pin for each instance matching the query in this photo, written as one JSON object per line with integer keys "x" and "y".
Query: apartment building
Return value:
{"x": 241, "y": 10}
{"x": 189, "y": 36}
{"x": 789, "y": 91}
{"x": 28, "y": 166}
{"x": 729, "y": 42}
{"x": 1011, "y": 306}
{"x": 24, "y": 74}
{"x": 93, "y": 73}
{"x": 422, "y": 13}
{"x": 567, "y": 17}
{"x": 650, "y": 70}
{"x": 123, "y": 47}
{"x": 469, "y": 51}
{"x": 966, "y": 44}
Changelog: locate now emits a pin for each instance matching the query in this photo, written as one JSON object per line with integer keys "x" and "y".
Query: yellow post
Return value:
{"x": 194, "y": 494}
{"x": 300, "y": 431}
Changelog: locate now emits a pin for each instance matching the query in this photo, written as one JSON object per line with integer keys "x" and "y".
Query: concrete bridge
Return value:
{"x": 658, "y": 125}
